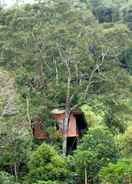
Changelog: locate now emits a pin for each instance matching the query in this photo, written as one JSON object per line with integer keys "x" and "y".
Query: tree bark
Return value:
{"x": 15, "y": 172}
{"x": 66, "y": 62}
{"x": 86, "y": 177}
{"x": 67, "y": 110}
{"x": 65, "y": 130}
{"x": 28, "y": 114}
{"x": 56, "y": 72}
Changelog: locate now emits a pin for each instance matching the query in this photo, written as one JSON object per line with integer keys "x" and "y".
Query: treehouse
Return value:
{"x": 77, "y": 125}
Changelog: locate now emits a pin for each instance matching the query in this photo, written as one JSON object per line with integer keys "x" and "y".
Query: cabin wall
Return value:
{"x": 58, "y": 117}
{"x": 38, "y": 131}
{"x": 39, "y": 134}
{"x": 72, "y": 128}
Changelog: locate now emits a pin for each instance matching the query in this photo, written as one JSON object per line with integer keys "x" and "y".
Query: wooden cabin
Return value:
{"x": 77, "y": 125}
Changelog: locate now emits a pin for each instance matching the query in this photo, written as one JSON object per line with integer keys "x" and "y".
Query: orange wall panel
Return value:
{"x": 72, "y": 128}
{"x": 58, "y": 116}
{"x": 39, "y": 134}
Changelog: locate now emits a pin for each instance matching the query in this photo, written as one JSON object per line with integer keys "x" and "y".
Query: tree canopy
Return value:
{"x": 72, "y": 55}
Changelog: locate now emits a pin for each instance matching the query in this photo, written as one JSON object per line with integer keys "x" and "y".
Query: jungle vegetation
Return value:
{"x": 70, "y": 54}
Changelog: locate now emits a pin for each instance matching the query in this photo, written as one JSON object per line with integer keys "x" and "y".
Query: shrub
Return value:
{"x": 46, "y": 164}
{"x": 120, "y": 173}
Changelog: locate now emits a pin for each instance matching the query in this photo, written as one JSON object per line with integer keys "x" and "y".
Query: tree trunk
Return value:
{"x": 28, "y": 114}
{"x": 65, "y": 129}
{"x": 86, "y": 177}
{"x": 66, "y": 62}
{"x": 56, "y": 72}
{"x": 15, "y": 172}
{"x": 67, "y": 114}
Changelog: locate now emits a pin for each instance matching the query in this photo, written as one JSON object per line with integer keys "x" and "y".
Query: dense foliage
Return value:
{"x": 97, "y": 149}
{"x": 117, "y": 173}
{"x": 69, "y": 54}
{"x": 46, "y": 164}
{"x": 6, "y": 178}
